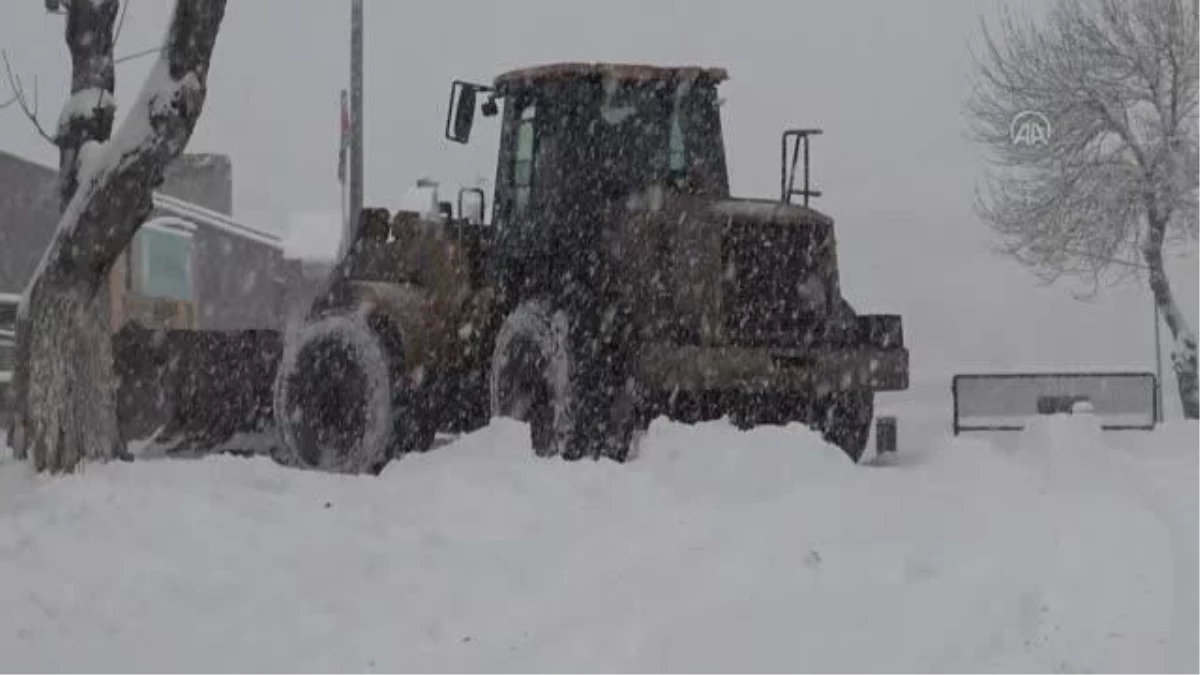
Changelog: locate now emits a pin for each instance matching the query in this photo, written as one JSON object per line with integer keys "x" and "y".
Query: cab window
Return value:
{"x": 524, "y": 161}
{"x": 676, "y": 151}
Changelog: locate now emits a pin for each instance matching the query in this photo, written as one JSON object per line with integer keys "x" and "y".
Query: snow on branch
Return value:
{"x": 81, "y": 107}
{"x": 1116, "y": 84}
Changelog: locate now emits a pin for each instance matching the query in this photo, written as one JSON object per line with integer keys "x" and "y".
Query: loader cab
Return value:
{"x": 576, "y": 139}
{"x": 579, "y": 145}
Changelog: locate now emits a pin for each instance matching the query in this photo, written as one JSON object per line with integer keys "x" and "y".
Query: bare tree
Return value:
{"x": 64, "y": 387}
{"x": 1107, "y": 173}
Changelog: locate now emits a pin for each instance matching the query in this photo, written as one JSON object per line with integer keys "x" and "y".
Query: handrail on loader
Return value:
{"x": 800, "y": 140}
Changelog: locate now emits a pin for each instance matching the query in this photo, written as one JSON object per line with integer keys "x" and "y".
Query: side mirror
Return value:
{"x": 461, "y": 113}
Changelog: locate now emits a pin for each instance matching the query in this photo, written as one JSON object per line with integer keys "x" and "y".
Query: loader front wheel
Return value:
{"x": 333, "y": 399}
{"x": 541, "y": 374}
{"x": 530, "y": 378}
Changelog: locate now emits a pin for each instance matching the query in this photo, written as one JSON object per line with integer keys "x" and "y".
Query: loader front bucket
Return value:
{"x": 197, "y": 391}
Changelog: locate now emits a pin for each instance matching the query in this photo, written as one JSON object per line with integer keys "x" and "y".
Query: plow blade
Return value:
{"x": 197, "y": 391}
{"x": 1008, "y": 401}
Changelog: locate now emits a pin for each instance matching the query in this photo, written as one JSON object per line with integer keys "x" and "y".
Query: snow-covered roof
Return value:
{"x": 172, "y": 224}
{"x": 188, "y": 210}
{"x": 214, "y": 219}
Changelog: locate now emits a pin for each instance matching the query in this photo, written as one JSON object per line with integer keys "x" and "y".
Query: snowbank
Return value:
{"x": 716, "y": 550}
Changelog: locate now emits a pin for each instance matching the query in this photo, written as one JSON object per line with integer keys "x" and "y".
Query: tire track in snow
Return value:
{"x": 1012, "y": 592}
{"x": 1185, "y": 563}
{"x": 1080, "y": 468}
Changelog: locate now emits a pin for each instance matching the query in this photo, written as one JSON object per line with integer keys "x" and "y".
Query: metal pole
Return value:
{"x": 1158, "y": 370}
{"x": 356, "y": 120}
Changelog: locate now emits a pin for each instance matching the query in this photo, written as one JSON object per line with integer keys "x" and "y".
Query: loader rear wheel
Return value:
{"x": 333, "y": 398}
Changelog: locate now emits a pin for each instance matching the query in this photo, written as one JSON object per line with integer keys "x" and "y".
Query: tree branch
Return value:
{"x": 1118, "y": 78}
{"x": 1104, "y": 72}
{"x": 18, "y": 97}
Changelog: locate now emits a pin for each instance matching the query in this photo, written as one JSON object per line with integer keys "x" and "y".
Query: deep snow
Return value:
{"x": 1063, "y": 549}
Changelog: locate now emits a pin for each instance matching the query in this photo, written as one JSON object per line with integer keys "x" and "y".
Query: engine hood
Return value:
{"x": 711, "y": 270}
{"x": 742, "y": 209}
{"x": 768, "y": 211}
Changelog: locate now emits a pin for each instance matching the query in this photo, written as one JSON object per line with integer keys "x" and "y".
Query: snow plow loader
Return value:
{"x": 617, "y": 281}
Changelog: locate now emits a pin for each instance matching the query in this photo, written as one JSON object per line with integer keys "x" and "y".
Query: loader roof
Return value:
{"x": 534, "y": 75}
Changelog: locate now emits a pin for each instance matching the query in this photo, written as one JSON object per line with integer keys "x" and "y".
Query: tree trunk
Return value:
{"x": 91, "y": 107}
{"x": 72, "y": 391}
{"x": 65, "y": 388}
{"x": 87, "y": 116}
{"x": 1183, "y": 351}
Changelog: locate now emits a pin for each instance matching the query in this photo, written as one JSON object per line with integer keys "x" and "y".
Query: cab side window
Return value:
{"x": 676, "y": 150}
{"x": 524, "y": 159}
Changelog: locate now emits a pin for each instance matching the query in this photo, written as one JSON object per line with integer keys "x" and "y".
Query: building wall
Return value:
{"x": 237, "y": 280}
{"x": 202, "y": 179}
{"x": 28, "y": 214}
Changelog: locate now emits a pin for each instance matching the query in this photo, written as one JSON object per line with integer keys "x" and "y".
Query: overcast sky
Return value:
{"x": 884, "y": 79}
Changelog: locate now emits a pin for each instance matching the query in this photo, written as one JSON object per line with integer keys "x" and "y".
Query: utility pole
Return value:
{"x": 356, "y": 121}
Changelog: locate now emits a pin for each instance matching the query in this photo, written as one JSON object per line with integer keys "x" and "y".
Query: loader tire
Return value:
{"x": 540, "y": 375}
{"x": 333, "y": 398}
{"x": 530, "y": 377}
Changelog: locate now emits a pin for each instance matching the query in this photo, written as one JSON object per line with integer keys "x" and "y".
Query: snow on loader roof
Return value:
{"x": 618, "y": 71}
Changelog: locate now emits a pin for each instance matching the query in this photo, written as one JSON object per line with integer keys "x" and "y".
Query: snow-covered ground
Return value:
{"x": 1059, "y": 549}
